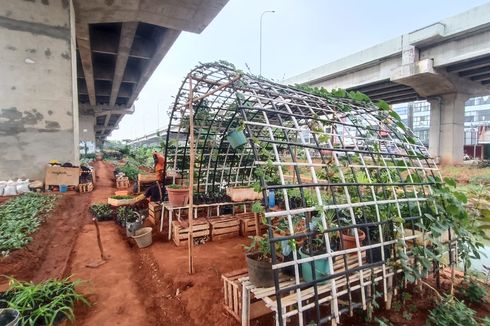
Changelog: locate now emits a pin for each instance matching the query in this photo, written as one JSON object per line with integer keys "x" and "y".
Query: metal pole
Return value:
{"x": 260, "y": 46}
{"x": 476, "y": 143}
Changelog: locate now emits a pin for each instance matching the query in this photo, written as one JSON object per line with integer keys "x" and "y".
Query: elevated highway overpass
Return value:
{"x": 445, "y": 63}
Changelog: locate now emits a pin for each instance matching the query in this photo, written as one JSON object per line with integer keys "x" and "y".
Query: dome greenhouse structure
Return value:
{"x": 351, "y": 183}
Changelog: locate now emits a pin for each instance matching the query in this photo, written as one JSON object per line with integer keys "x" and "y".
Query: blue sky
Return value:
{"x": 301, "y": 35}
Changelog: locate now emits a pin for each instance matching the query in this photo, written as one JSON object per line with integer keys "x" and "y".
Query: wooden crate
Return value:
{"x": 122, "y": 183}
{"x": 224, "y": 227}
{"x": 247, "y": 224}
{"x": 232, "y": 290}
{"x": 180, "y": 231}
{"x": 154, "y": 210}
{"x": 86, "y": 187}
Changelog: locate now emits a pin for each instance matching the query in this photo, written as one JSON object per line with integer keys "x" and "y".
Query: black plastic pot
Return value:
{"x": 259, "y": 272}
{"x": 290, "y": 269}
{"x": 9, "y": 317}
{"x": 374, "y": 254}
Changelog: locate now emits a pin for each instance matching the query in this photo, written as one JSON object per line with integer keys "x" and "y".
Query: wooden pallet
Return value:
{"x": 224, "y": 227}
{"x": 247, "y": 224}
{"x": 232, "y": 290}
{"x": 180, "y": 231}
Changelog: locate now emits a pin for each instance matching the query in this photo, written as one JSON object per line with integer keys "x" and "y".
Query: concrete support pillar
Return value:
{"x": 446, "y": 134}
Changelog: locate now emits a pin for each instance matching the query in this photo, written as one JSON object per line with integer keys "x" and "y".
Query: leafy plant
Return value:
{"x": 21, "y": 216}
{"x": 452, "y": 312}
{"x": 407, "y": 315}
{"x": 261, "y": 246}
{"x": 473, "y": 292}
{"x": 130, "y": 170}
{"x": 46, "y": 303}
{"x": 176, "y": 186}
{"x": 125, "y": 215}
{"x": 121, "y": 197}
{"x": 102, "y": 212}
{"x": 257, "y": 207}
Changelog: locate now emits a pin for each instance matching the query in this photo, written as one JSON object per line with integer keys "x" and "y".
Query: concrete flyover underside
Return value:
{"x": 120, "y": 44}
{"x": 445, "y": 63}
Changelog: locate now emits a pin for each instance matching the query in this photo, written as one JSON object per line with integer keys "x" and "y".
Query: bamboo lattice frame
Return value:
{"x": 349, "y": 165}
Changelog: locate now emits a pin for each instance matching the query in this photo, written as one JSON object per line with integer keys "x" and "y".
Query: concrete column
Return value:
{"x": 435, "y": 127}
{"x": 446, "y": 135}
{"x": 38, "y": 106}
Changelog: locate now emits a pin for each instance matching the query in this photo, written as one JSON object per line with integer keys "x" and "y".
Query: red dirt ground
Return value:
{"x": 148, "y": 286}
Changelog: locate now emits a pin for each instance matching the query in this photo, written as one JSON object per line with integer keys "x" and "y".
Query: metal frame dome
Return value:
{"x": 350, "y": 163}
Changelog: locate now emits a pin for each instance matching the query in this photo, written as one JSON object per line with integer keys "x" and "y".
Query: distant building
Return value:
{"x": 416, "y": 115}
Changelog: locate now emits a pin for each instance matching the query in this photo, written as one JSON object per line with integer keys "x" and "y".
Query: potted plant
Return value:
{"x": 236, "y": 137}
{"x": 316, "y": 247}
{"x": 177, "y": 194}
{"x": 348, "y": 236}
{"x": 259, "y": 262}
{"x": 349, "y": 239}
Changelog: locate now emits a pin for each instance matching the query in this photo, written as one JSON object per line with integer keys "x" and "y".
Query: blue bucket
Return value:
{"x": 63, "y": 188}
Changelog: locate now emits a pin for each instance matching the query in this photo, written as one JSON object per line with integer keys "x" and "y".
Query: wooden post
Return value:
{"x": 191, "y": 176}
{"x": 257, "y": 224}
{"x": 389, "y": 289}
{"x": 245, "y": 306}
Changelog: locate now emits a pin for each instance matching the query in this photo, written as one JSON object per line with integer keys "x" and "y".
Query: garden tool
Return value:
{"x": 103, "y": 257}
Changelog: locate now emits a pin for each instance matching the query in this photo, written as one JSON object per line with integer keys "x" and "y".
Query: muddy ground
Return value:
{"x": 148, "y": 286}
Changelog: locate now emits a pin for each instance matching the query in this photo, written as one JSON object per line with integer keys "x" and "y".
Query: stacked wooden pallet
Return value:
{"x": 180, "y": 234}
{"x": 224, "y": 227}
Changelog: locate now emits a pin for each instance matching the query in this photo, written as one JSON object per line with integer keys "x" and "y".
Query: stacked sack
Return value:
{"x": 12, "y": 188}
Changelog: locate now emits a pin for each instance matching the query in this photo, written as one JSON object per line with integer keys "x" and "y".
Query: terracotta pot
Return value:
{"x": 178, "y": 197}
{"x": 349, "y": 241}
{"x": 242, "y": 194}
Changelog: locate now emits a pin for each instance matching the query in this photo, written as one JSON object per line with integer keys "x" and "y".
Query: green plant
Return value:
{"x": 407, "y": 315}
{"x": 383, "y": 321}
{"x": 452, "y": 312}
{"x": 125, "y": 215}
{"x": 121, "y": 197}
{"x": 21, "y": 216}
{"x": 396, "y": 306}
{"x": 472, "y": 291}
{"x": 102, "y": 212}
{"x": 176, "y": 186}
{"x": 257, "y": 207}
{"x": 260, "y": 245}
{"x": 46, "y": 303}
